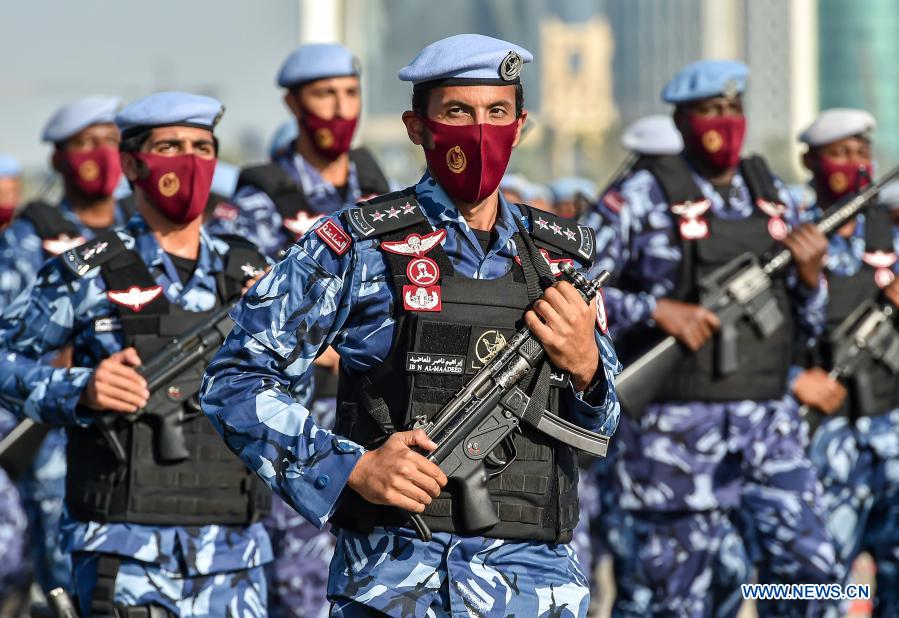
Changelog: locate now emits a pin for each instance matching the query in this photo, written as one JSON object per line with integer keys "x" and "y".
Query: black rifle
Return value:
{"x": 738, "y": 290}
{"x": 60, "y": 604}
{"x": 490, "y": 407}
{"x": 867, "y": 335}
{"x": 173, "y": 378}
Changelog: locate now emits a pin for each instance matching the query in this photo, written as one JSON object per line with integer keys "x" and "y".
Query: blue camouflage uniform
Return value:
{"x": 162, "y": 565}
{"x": 316, "y": 298}
{"x": 684, "y": 466}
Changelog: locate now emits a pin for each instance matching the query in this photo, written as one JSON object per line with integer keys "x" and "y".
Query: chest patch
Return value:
{"x": 135, "y": 298}
{"x": 484, "y": 344}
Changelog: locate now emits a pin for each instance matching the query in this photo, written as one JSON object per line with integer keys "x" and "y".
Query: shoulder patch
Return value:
{"x": 614, "y": 201}
{"x": 94, "y": 253}
{"x": 564, "y": 235}
{"x": 384, "y": 214}
{"x": 334, "y": 236}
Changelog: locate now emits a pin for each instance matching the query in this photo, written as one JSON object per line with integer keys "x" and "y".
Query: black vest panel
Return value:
{"x": 211, "y": 486}
{"x": 846, "y": 294}
{"x": 433, "y": 355}
{"x": 763, "y": 362}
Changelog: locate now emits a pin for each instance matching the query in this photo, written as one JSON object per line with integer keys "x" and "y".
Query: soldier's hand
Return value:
{"x": 395, "y": 475}
{"x": 115, "y": 385}
{"x": 808, "y": 246}
{"x": 818, "y": 390}
{"x": 565, "y": 325}
{"x": 692, "y": 325}
{"x": 329, "y": 359}
{"x": 892, "y": 292}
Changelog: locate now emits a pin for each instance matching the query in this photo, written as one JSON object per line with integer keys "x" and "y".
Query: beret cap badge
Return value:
{"x": 510, "y": 67}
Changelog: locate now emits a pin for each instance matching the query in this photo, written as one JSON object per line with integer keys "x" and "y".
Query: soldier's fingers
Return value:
{"x": 125, "y": 394}
{"x": 571, "y": 295}
{"x": 407, "y": 504}
{"x": 123, "y": 377}
{"x": 711, "y": 319}
{"x": 431, "y": 470}
{"x": 116, "y": 401}
{"x": 412, "y": 491}
{"x": 128, "y": 356}
{"x": 550, "y": 315}
{"x": 426, "y": 484}
{"x": 543, "y": 332}
{"x": 417, "y": 437}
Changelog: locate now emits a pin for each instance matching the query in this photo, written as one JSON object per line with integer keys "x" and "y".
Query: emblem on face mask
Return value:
{"x": 510, "y": 67}
{"x": 838, "y": 182}
{"x": 421, "y": 298}
{"x": 414, "y": 244}
{"x": 423, "y": 271}
{"x": 455, "y": 160}
{"x": 134, "y": 298}
{"x": 712, "y": 141}
{"x": 169, "y": 184}
{"x": 489, "y": 343}
{"x": 324, "y": 138}
{"x": 62, "y": 243}
{"x": 89, "y": 171}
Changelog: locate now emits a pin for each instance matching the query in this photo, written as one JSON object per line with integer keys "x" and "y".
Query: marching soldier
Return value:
{"x": 444, "y": 269}
{"x": 148, "y": 536}
{"x": 856, "y": 445}
{"x": 711, "y": 443}
{"x": 10, "y": 188}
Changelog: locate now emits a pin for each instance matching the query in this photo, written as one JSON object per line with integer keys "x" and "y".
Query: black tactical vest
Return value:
{"x": 434, "y": 353}
{"x": 58, "y": 233}
{"x": 211, "y": 486}
{"x": 763, "y": 362}
{"x": 289, "y": 198}
{"x": 845, "y": 295}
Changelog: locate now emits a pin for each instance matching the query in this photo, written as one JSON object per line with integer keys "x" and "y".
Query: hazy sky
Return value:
{"x": 53, "y": 51}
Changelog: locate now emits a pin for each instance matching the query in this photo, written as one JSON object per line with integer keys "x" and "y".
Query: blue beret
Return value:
{"x": 286, "y": 132}
{"x": 78, "y": 115}
{"x": 467, "y": 58}
{"x": 224, "y": 180}
{"x": 653, "y": 135}
{"x": 9, "y": 166}
{"x": 514, "y": 182}
{"x": 169, "y": 108}
{"x": 566, "y": 189}
{"x": 838, "y": 123}
{"x": 317, "y": 61}
{"x": 705, "y": 79}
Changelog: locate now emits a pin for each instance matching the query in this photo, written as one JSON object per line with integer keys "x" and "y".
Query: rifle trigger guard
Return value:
{"x": 497, "y": 464}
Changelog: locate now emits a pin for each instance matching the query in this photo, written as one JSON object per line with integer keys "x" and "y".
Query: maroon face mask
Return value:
{"x": 718, "y": 140}
{"x": 470, "y": 160}
{"x": 330, "y": 138}
{"x": 6, "y": 213}
{"x": 837, "y": 179}
{"x": 94, "y": 172}
{"x": 178, "y": 186}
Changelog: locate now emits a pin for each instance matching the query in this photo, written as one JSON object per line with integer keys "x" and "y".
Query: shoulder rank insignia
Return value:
{"x": 96, "y": 252}
{"x": 562, "y": 234}
{"x": 384, "y": 214}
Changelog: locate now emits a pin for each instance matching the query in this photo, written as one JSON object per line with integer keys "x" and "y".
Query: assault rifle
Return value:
{"x": 739, "y": 290}
{"x": 173, "y": 378}
{"x": 867, "y": 334}
{"x": 489, "y": 408}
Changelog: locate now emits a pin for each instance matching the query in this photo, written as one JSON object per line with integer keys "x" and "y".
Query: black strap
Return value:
{"x": 371, "y": 178}
{"x": 278, "y": 185}
{"x": 103, "y": 595}
{"x": 676, "y": 179}
{"x": 878, "y": 230}
{"x": 759, "y": 179}
{"x": 127, "y": 270}
{"x": 48, "y": 220}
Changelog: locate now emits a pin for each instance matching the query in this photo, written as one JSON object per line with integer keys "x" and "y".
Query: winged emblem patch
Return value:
{"x": 62, "y": 243}
{"x": 414, "y": 244}
{"x": 134, "y": 298}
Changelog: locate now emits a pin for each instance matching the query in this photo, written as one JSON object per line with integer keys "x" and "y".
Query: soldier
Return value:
{"x": 353, "y": 282}
{"x": 10, "y": 189}
{"x": 311, "y": 175}
{"x": 709, "y": 443}
{"x": 85, "y": 143}
{"x": 158, "y": 537}
{"x": 856, "y": 446}
{"x": 277, "y": 202}
{"x": 572, "y": 196}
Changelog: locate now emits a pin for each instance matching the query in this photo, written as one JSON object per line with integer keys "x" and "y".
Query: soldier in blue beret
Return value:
{"x": 717, "y": 456}
{"x": 85, "y": 154}
{"x": 433, "y": 269}
{"x": 10, "y": 188}
{"x": 572, "y": 196}
{"x": 149, "y": 535}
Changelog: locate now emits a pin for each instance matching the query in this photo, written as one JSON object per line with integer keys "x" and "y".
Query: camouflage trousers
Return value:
{"x": 231, "y": 593}
{"x": 390, "y": 572}
{"x": 859, "y": 468}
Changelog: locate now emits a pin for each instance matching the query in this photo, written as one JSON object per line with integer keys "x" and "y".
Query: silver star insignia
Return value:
{"x": 570, "y": 235}
{"x": 393, "y": 213}
{"x": 556, "y": 228}
{"x": 377, "y": 216}
{"x": 408, "y": 208}
{"x": 541, "y": 223}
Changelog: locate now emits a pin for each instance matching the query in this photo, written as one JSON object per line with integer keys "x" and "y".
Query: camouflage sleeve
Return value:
{"x": 38, "y": 322}
{"x": 632, "y": 238}
{"x": 250, "y": 389}
{"x": 598, "y": 410}
{"x": 253, "y": 216}
{"x": 21, "y": 256}
{"x": 809, "y": 305}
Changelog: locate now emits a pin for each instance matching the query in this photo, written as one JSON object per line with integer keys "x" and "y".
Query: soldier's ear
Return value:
{"x": 521, "y": 120}
{"x": 129, "y": 166}
{"x": 416, "y": 130}
{"x": 292, "y": 101}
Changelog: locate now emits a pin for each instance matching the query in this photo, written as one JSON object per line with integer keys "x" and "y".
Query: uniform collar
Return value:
{"x": 439, "y": 208}
{"x": 121, "y": 215}
{"x": 209, "y": 260}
